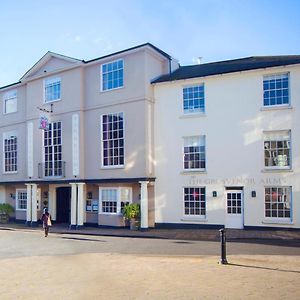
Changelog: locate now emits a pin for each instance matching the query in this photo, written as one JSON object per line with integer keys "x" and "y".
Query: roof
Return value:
{"x": 229, "y": 66}
{"x": 129, "y": 49}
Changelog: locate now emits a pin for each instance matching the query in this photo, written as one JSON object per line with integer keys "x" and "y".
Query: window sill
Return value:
{"x": 194, "y": 219}
{"x": 192, "y": 115}
{"x": 189, "y": 172}
{"x": 276, "y": 107}
{"x": 51, "y": 101}
{"x": 21, "y": 209}
{"x": 278, "y": 222}
{"x": 9, "y": 173}
{"x": 113, "y": 89}
{"x": 110, "y": 214}
{"x": 10, "y": 113}
{"x": 112, "y": 167}
{"x": 277, "y": 171}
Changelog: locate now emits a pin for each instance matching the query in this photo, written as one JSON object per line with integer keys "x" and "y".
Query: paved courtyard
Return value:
{"x": 69, "y": 266}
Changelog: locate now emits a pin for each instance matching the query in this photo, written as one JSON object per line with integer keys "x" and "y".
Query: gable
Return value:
{"x": 49, "y": 63}
{"x": 52, "y": 65}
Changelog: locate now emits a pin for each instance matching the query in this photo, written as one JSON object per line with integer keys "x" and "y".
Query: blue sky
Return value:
{"x": 212, "y": 29}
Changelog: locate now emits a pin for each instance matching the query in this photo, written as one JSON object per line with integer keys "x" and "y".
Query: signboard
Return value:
{"x": 43, "y": 123}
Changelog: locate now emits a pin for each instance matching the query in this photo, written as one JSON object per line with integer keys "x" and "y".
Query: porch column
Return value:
{"x": 29, "y": 205}
{"x": 73, "y": 205}
{"x": 52, "y": 201}
{"x": 144, "y": 204}
{"x": 34, "y": 204}
{"x": 2, "y": 194}
{"x": 80, "y": 207}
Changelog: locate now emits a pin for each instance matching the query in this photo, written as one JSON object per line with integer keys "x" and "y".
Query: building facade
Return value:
{"x": 207, "y": 145}
{"x": 227, "y": 144}
{"x": 77, "y": 137}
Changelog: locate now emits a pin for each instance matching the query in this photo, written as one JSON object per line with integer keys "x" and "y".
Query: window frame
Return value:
{"x": 119, "y": 205}
{"x": 9, "y": 136}
{"x": 17, "y": 199}
{"x": 189, "y": 112}
{"x": 7, "y": 97}
{"x": 194, "y": 216}
{"x": 102, "y": 74}
{"x": 274, "y": 106}
{"x": 183, "y": 154}
{"x": 279, "y": 219}
{"x": 53, "y": 153}
{"x": 120, "y": 166}
{"x": 268, "y": 138}
{"x": 53, "y": 79}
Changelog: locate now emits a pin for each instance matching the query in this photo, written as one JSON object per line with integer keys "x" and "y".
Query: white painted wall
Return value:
{"x": 233, "y": 125}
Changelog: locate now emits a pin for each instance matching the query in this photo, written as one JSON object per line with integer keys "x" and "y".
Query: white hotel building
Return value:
{"x": 209, "y": 145}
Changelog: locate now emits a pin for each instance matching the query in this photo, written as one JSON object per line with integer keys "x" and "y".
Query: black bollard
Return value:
{"x": 223, "y": 260}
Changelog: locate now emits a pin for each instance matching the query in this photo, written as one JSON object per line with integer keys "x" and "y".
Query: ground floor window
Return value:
{"x": 278, "y": 202}
{"x": 112, "y": 200}
{"x": 21, "y": 199}
{"x": 194, "y": 201}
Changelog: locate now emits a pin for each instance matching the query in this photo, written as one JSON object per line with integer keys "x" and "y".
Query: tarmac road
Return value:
{"x": 19, "y": 243}
{"x": 84, "y": 267}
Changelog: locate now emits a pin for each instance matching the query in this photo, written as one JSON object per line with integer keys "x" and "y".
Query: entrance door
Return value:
{"x": 63, "y": 204}
{"x": 234, "y": 212}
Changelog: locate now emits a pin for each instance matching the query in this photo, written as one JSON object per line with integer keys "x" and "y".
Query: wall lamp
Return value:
{"x": 214, "y": 194}
{"x": 253, "y": 194}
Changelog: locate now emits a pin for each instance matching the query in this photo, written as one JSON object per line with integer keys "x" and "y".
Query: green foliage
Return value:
{"x": 6, "y": 209}
{"x": 131, "y": 211}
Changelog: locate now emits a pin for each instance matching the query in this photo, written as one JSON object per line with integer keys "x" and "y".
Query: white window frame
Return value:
{"x": 183, "y": 154}
{"x": 101, "y": 140}
{"x": 283, "y": 105}
{"x": 51, "y": 80}
{"x": 275, "y": 136}
{"x": 9, "y": 135}
{"x": 101, "y": 76}
{"x": 119, "y": 190}
{"x": 193, "y": 112}
{"x": 10, "y": 96}
{"x": 44, "y": 151}
{"x": 279, "y": 219}
{"x": 17, "y": 199}
{"x": 190, "y": 216}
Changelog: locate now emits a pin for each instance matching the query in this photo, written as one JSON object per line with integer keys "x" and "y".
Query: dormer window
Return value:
{"x": 52, "y": 89}
{"x": 10, "y": 102}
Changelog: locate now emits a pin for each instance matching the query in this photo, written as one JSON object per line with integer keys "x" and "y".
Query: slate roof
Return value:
{"x": 229, "y": 66}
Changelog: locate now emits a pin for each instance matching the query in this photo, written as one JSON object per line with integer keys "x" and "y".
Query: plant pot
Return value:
{"x": 4, "y": 218}
{"x": 134, "y": 224}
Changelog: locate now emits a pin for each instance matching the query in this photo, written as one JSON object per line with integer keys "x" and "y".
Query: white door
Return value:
{"x": 234, "y": 209}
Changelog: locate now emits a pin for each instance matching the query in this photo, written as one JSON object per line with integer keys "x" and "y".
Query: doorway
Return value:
{"x": 63, "y": 205}
{"x": 234, "y": 209}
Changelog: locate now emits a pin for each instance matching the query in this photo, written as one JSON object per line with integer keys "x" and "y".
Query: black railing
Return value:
{"x": 55, "y": 169}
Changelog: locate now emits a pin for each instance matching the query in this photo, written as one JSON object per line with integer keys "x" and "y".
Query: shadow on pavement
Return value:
{"x": 82, "y": 239}
{"x": 263, "y": 268}
{"x": 271, "y": 242}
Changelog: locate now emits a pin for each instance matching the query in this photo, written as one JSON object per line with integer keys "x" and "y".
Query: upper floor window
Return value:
{"x": 193, "y": 99}
{"x": 113, "y": 140}
{"x": 278, "y": 202}
{"x": 52, "y": 89}
{"x": 10, "y": 102}
{"x": 21, "y": 199}
{"x": 194, "y": 153}
{"x": 276, "y": 89}
{"x": 10, "y": 153}
{"x": 277, "y": 147}
{"x": 112, "y": 75}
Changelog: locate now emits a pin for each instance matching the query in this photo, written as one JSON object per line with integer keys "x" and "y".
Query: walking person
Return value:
{"x": 46, "y": 219}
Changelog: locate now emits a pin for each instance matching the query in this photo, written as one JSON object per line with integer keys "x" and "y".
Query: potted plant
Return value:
{"x": 5, "y": 211}
{"x": 132, "y": 213}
